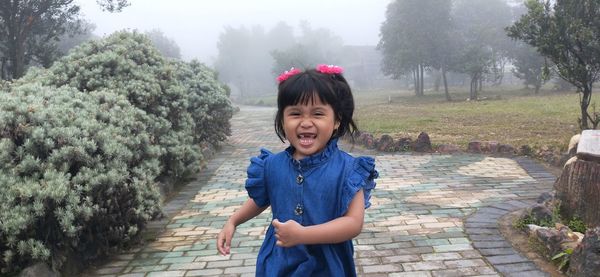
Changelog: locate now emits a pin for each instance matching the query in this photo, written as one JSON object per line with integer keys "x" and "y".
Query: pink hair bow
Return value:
{"x": 329, "y": 69}
{"x": 287, "y": 74}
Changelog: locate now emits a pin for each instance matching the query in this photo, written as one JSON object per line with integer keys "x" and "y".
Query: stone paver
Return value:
{"x": 431, "y": 214}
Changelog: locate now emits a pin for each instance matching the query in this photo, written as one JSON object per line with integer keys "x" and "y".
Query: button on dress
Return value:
{"x": 314, "y": 190}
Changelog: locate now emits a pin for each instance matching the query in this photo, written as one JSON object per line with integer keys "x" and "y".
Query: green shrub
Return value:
{"x": 209, "y": 102}
{"x": 577, "y": 225}
{"x": 128, "y": 64}
{"x": 77, "y": 174}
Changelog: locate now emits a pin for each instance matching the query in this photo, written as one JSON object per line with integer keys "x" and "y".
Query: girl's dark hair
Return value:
{"x": 332, "y": 89}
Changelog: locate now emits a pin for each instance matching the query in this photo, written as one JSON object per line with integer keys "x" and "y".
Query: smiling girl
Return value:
{"x": 317, "y": 193}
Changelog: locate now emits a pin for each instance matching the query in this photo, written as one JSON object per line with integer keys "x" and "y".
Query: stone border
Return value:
{"x": 483, "y": 229}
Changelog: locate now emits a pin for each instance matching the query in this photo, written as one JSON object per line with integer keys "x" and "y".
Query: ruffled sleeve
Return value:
{"x": 256, "y": 184}
{"x": 361, "y": 177}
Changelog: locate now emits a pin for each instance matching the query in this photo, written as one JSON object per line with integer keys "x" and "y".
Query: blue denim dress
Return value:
{"x": 314, "y": 190}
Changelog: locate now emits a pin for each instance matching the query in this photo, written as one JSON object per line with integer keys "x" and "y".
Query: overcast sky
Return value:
{"x": 196, "y": 24}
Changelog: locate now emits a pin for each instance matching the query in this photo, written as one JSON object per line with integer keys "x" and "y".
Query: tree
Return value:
{"x": 567, "y": 33}
{"x": 480, "y": 25}
{"x": 80, "y": 32}
{"x": 530, "y": 66}
{"x": 28, "y": 27}
{"x": 113, "y": 5}
{"x": 167, "y": 46}
{"x": 247, "y": 68}
{"x": 43, "y": 52}
{"x": 312, "y": 47}
{"x": 24, "y": 21}
{"x": 413, "y": 38}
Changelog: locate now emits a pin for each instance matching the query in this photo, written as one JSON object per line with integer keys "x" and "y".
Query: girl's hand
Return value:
{"x": 224, "y": 238}
{"x": 288, "y": 233}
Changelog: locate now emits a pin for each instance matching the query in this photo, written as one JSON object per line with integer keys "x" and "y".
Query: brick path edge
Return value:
{"x": 482, "y": 227}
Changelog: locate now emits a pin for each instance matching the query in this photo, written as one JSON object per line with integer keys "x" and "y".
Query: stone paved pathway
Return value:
{"x": 431, "y": 215}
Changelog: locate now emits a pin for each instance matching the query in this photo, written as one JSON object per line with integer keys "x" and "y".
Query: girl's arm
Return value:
{"x": 341, "y": 229}
{"x": 248, "y": 211}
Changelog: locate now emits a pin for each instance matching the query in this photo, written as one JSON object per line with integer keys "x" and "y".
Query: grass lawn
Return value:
{"x": 506, "y": 115}
{"x": 514, "y": 117}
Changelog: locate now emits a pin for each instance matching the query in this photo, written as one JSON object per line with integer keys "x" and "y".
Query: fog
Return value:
{"x": 195, "y": 25}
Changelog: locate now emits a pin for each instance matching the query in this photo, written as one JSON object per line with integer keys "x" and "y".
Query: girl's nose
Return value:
{"x": 305, "y": 123}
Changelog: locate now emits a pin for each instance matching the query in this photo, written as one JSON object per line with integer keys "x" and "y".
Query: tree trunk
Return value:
{"x": 438, "y": 80}
{"x": 473, "y": 91}
{"x": 416, "y": 80}
{"x": 445, "y": 84}
{"x": 584, "y": 104}
{"x": 3, "y": 69}
{"x": 578, "y": 189}
{"x": 422, "y": 86}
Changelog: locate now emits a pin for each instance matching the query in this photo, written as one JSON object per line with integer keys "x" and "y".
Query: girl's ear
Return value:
{"x": 336, "y": 125}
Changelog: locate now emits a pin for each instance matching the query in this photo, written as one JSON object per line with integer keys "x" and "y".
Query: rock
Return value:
{"x": 403, "y": 144}
{"x": 588, "y": 147}
{"x": 363, "y": 137}
{"x": 525, "y": 150}
{"x": 546, "y": 196}
{"x": 370, "y": 142}
{"x": 585, "y": 260}
{"x": 423, "y": 143}
{"x": 506, "y": 149}
{"x": 569, "y": 245}
{"x": 447, "y": 148}
{"x": 533, "y": 228}
{"x": 474, "y": 147}
{"x": 579, "y": 235}
{"x": 492, "y": 146}
{"x": 485, "y": 146}
{"x": 38, "y": 270}
{"x": 570, "y": 161}
{"x": 385, "y": 143}
{"x": 551, "y": 238}
{"x": 541, "y": 213}
{"x": 572, "y": 149}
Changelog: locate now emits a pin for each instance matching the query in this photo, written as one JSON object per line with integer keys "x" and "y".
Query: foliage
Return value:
{"x": 415, "y": 35}
{"x": 521, "y": 223}
{"x": 28, "y": 28}
{"x": 577, "y": 225}
{"x": 44, "y": 52}
{"x": 83, "y": 143}
{"x": 77, "y": 33}
{"x": 312, "y": 47}
{"x": 483, "y": 44}
{"x": 77, "y": 174}
{"x": 127, "y": 64}
{"x": 165, "y": 45}
{"x": 113, "y": 5}
{"x": 248, "y": 69}
{"x": 530, "y": 66}
{"x": 209, "y": 103}
{"x": 563, "y": 258}
{"x": 568, "y": 34}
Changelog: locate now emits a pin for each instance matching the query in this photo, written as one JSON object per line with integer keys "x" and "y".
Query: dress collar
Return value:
{"x": 314, "y": 159}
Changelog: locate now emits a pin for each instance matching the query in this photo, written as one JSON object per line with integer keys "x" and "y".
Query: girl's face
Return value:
{"x": 309, "y": 127}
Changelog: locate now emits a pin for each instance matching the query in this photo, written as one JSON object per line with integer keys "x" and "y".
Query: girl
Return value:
{"x": 317, "y": 192}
